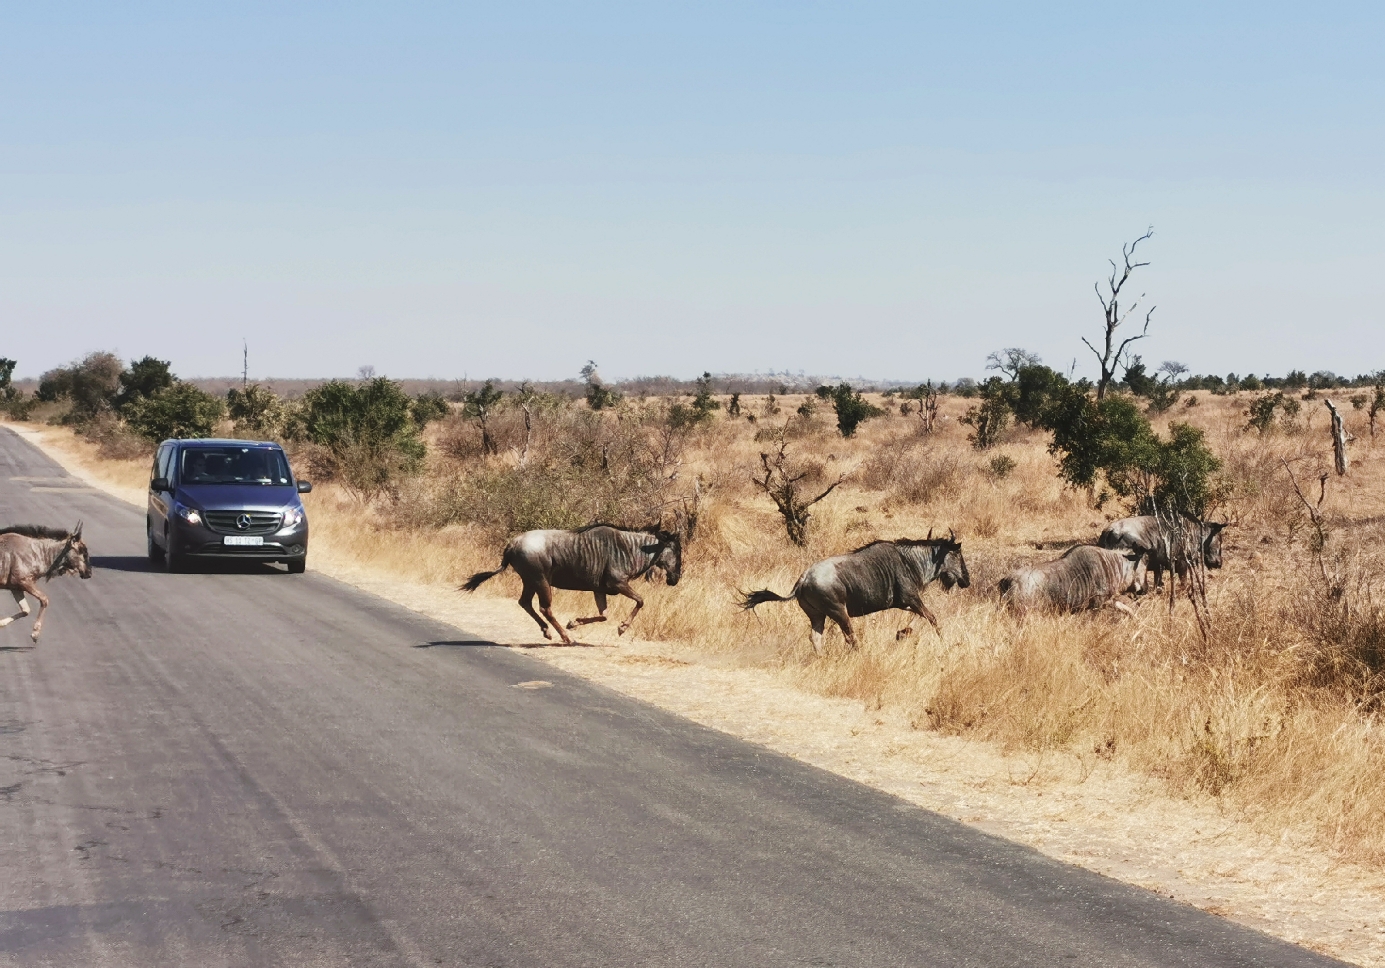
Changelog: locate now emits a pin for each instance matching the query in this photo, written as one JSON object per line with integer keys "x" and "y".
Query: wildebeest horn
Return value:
{"x": 77, "y": 532}
{"x": 930, "y": 535}
{"x": 952, "y": 535}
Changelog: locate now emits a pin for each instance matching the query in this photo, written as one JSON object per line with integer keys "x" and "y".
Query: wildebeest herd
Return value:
{"x": 605, "y": 559}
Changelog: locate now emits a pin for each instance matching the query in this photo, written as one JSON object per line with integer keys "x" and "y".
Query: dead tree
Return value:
{"x": 1339, "y": 440}
{"x": 783, "y": 488}
{"x": 1113, "y": 353}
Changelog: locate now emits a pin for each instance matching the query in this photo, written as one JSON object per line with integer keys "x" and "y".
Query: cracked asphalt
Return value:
{"x": 242, "y": 767}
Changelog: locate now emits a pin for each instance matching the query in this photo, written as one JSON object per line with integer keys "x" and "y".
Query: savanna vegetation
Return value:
{"x": 1272, "y": 707}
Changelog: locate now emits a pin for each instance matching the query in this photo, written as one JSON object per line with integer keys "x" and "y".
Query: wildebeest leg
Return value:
{"x": 625, "y": 589}
{"x": 921, "y": 610}
{"x": 526, "y": 602}
{"x": 599, "y": 617}
{"x": 33, "y": 592}
{"x": 23, "y": 608}
{"x": 545, "y": 591}
{"x": 819, "y": 622}
{"x": 843, "y": 621}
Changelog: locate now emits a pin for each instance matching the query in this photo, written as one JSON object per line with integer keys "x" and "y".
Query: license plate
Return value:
{"x": 242, "y": 540}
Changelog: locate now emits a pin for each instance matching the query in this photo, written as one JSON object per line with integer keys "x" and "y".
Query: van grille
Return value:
{"x": 261, "y": 522}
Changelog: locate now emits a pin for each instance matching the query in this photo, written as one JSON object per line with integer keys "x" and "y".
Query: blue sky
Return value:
{"x": 889, "y": 190}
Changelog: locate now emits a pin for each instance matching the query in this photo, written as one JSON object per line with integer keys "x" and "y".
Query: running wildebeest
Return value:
{"x": 600, "y": 558}
{"x": 879, "y": 576}
{"x": 30, "y": 552}
{"x": 1166, "y": 544}
{"x": 1085, "y": 577}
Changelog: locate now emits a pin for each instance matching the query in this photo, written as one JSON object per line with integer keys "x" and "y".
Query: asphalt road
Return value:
{"x": 250, "y": 768}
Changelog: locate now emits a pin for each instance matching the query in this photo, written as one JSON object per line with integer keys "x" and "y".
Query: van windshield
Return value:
{"x": 233, "y": 465}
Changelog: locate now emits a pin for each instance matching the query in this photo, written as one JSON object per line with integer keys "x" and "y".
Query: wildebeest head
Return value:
{"x": 668, "y": 555}
{"x": 952, "y": 567}
{"x": 1211, "y": 544}
{"x": 75, "y": 559}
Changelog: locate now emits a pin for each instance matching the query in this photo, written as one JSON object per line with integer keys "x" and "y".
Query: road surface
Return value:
{"x": 249, "y": 768}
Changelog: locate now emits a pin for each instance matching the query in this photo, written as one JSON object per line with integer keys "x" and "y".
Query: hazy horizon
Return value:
{"x": 893, "y": 190}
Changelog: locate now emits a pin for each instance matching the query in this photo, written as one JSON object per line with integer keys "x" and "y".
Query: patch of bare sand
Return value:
{"x": 1104, "y": 819}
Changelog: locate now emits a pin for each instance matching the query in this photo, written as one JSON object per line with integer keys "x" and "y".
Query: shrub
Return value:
{"x": 992, "y": 416}
{"x": 1111, "y": 439}
{"x": 1034, "y": 386}
{"x": 257, "y": 412}
{"x": 180, "y": 410}
{"x": 479, "y": 404}
{"x": 7, "y": 390}
{"x": 144, "y": 378}
{"x": 430, "y": 406}
{"x": 90, "y": 384}
{"x": 1001, "y": 465}
{"x": 1262, "y": 410}
{"x": 852, "y": 409}
{"x": 368, "y": 430}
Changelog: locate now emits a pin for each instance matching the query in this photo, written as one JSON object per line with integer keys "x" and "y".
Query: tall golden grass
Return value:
{"x": 1274, "y": 713}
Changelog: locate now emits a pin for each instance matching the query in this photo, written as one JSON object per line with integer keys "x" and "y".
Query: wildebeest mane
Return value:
{"x": 905, "y": 543}
{"x": 37, "y": 531}
{"x": 654, "y": 529}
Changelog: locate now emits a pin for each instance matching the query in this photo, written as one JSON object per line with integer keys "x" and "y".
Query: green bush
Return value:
{"x": 429, "y": 406}
{"x": 179, "y": 410}
{"x": 852, "y": 408}
{"x": 1112, "y": 440}
{"x": 89, "y": 384}
{"x": 257, "y": 412}
{"x": 1262, "y": 411}
{"x": 144, "y": 378}
{"x": 478, "y": 405}
{"x": 368, "y": 430}
{"x": 990, "y": 419}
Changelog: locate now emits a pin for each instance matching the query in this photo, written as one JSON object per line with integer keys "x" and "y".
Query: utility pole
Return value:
{"x": 244, "y": 363}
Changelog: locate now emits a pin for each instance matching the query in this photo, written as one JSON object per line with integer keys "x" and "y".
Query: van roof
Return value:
{"x": 223, "y": 442}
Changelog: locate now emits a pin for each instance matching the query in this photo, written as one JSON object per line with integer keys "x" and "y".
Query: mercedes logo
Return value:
{"x": 243, "y": 522}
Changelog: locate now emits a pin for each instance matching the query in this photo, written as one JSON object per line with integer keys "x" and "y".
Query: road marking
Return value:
{"x": 533, "y": 684}
{"x": 65, "y": 490}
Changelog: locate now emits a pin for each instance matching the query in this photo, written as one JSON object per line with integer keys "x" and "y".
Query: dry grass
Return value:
{"x": 1274, "y": 717}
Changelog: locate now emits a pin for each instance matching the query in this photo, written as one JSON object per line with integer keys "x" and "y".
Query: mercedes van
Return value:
{"x": 225, "y": 499}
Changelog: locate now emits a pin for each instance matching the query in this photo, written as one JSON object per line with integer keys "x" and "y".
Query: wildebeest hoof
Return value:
{"x": 903, "y": 634}
{"x": 572, "y": 625}
{"x": 621, "y": 630}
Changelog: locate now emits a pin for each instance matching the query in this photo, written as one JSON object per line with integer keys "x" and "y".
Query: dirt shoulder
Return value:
{"x": 1100, "y": 817}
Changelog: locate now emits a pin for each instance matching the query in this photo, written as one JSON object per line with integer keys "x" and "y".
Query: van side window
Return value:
{"x": 163, "y": 463}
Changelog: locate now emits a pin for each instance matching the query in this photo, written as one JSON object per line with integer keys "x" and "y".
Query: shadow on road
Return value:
{"x": 16, "y": 648}
{"x": 121, "y": 563}
{"x": 207, "y": 566}
{"x": 470, "y": 644}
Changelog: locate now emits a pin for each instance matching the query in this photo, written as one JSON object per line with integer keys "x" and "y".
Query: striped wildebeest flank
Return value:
{"x": 1167, "y": 543}
{"x": 600, "y": 558}
{"x": 1085, "y": 577}
{"x": 30, "y": 552}
{"x": 880, "y": 576}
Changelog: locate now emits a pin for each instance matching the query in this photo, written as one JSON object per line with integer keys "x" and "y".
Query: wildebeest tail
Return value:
{"x": 481, "y": 577}
{"x": 752, "y": 599}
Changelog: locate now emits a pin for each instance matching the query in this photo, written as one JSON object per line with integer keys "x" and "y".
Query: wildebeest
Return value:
{"x": 879, "y": 576}
{"x": 28, "y": 553}
{"x": 1166, "y": 543}
{"x": 600, "y": 558}
{"x": 1085, "y": 577}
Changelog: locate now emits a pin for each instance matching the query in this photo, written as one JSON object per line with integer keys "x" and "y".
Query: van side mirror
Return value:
{"x": 159, "y": 484}
{"x": 304, "y": 487}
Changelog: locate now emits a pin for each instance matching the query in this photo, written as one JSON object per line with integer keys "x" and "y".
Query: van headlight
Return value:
{"x": 293, "y": 517}
{"x": 190, "y": 515}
